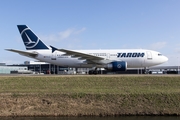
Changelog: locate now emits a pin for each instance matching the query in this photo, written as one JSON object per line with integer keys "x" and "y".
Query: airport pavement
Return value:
{"x": 80, "y": 75}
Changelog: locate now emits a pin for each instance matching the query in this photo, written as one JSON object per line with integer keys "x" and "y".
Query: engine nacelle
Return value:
{"x": 117, "y": 66}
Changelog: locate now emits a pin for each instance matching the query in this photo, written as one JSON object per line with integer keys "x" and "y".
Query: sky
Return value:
{"x": 92, "y": 24}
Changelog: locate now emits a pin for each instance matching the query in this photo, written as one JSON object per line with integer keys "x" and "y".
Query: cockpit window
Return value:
{"x": 159, "y": 54}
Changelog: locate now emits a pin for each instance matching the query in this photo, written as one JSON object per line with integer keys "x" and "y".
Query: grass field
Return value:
{"x": 89, "y": 95}
{"x": 90, "y": 84}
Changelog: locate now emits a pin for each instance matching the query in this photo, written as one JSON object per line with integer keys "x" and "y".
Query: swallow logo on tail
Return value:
{"x": 31, "y": 41}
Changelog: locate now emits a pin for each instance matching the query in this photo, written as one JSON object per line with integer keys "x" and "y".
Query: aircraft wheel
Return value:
{"x": 90, "y": 72}
{"x": 95, "y": 72}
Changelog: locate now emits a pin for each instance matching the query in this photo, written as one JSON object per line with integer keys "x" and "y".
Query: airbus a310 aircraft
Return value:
{"x": 110, "y": 59}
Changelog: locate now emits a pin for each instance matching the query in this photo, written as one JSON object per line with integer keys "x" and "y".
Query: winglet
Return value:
{"x": 53, "y": 48}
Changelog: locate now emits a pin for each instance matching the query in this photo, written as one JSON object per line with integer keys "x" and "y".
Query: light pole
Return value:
{"x": 178, "y": 65}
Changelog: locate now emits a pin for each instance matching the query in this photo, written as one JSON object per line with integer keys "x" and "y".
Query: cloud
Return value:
{"x": 158, "y": 45}
{"x": 80, "y": 31}
{"x": 65, "y": 34}
{"x": 62, "y": 35}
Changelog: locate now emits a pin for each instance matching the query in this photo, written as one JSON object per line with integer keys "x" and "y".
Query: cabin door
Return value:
{"x": 149, "y": 55}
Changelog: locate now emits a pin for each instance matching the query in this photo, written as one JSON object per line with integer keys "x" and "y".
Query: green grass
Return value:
{"x": 90, "y": 84}
{"x": 90, "y": 95}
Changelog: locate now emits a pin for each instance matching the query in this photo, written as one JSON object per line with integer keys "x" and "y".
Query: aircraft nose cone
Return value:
{"x": 165, "y": 59}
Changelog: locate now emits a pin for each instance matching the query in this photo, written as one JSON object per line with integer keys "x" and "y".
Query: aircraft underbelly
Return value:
{"x": 65, "y": 62}
{"x": 134, "y": 63}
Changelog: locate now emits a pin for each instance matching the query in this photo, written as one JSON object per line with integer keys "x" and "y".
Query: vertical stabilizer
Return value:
{"x": 31, "y": 41}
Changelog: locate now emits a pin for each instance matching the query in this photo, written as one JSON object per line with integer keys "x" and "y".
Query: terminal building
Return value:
{"x": 4, "y": 69}
{"x": 32, "y": 67}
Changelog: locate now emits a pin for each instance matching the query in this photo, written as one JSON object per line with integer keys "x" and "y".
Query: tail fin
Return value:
{"x": 31, "y": 41}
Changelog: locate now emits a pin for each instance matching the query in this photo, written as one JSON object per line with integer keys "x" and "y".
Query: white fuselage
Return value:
{"x": 135, "y": 58}
{"x": 114, "y": 60}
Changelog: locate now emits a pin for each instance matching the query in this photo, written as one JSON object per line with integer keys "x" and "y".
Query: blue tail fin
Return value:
{"x": 31, "y": 41}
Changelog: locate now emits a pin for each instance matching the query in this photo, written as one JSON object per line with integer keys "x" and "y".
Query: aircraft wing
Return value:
{"x": 28, "y": 54}
{"x": 83, "y": 56}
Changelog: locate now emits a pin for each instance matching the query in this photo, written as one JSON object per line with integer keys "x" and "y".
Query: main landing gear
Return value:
{"x": 95, "y": 72}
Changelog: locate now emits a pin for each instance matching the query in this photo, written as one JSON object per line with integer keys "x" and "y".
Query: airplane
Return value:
{"x": 109, "y": 59}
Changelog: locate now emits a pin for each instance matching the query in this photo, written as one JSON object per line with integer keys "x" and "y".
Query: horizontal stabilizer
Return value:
{"x": 28, "y": 54}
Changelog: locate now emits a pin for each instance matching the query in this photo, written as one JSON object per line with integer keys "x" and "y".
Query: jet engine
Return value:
{"x": 117, "y": 66}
